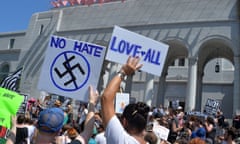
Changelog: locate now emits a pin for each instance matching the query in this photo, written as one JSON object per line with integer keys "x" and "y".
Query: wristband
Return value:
{"x": 122, "y": 75}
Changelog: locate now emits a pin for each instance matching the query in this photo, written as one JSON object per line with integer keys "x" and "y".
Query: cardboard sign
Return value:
{"x": 70, "y": 66}
{"x": 23, "y": 107}
{"x": 212, "y": 106}
{"x": 125, "y": 43}
{"x": 121, "y": 101}
{"x": 161, "y": 132}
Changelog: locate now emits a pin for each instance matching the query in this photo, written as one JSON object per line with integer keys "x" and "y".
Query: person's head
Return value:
{"x": 72, "y": 133}
{"x": 210, "y": 120}
{"x": 49, "y": 124}
{"x": 134, "y": 117}
{"x": 181, "y": 141}
{"x": 21, "y": 119}
{"x": 69, "y": 108}
{"x": 151, "y": 137}
{"x": 57, "y": 103}
{"x": 51, "y": 120}
{"x": 29, "y": 121}
{"x": 230, "y": 133}
{"x": 197, "y": 140}
{"x": 201, "y": 133}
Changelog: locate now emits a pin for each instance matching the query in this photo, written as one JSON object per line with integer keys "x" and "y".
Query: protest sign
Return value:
{"x": 70, "y": 66}
{"x": 161, "y": 132}
{"x": 121, "y": 101}
{"x": 211, "y": 106}
{"x": 23, "y": 107}
{"x": 125, "y": 43}
{"x": 5, "y": 119}
{"x": 10, "y": 101}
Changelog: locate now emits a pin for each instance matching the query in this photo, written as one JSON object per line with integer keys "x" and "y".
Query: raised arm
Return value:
{"x": 107, "y": 99}
{"x": 89, "y": 122}
{"x": 12, "y": 135}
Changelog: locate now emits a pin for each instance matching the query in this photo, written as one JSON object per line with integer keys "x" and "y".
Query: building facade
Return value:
{"x": 202, "y": 36}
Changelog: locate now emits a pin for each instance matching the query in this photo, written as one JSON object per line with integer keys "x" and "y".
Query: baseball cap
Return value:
{"x": 201, "y": 132}
{"x": 51, "y": 120}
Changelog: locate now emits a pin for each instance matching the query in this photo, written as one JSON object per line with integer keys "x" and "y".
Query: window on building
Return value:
{"x": 41, "y": 29}
{"x": 11, "y": 43}
{"x": 4, "y": 71}
{"x": 181, "y": 62}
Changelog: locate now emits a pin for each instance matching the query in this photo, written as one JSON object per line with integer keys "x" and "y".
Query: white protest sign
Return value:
{"x": 125, "y": 43}
{"x": 161, "y": 132}
{"x": 122, "y": 100}
{"x": 70, "y": 66}
{"x": 212, "y": 106}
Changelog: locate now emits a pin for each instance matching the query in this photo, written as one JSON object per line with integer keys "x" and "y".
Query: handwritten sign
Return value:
{"x": 125, "y": 43}
{"x": 70, "y": 66}
{"x": 212, "y": 106}
{"x": 121, "y": 101}
{"x": 10, "y": 101}
{"x": 23, "y": 107}
{"x": 161, "y": 132}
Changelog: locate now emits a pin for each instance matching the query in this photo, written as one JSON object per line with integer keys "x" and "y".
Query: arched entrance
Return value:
{"x": 214, "y": 81}
{"x": 176, "y": 58}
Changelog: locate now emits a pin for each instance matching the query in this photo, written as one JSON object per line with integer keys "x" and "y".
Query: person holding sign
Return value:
{"x": 134, "y": 116}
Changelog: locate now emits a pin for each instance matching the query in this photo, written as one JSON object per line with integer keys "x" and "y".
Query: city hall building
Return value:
{"x": 202, "y": 62}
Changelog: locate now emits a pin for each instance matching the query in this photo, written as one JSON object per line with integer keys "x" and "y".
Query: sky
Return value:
{"x": 15, "y": 15}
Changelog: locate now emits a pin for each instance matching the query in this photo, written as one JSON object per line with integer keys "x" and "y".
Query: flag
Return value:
{"x": 55, "y": 4}
{"x": 10, "y": 81}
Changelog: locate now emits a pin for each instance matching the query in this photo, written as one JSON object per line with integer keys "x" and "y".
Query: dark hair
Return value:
{"x": 151, "y": 138}
{"x": 136, "y": 116}
{"x": 232, "y": 132}
{"x": 210, "y": 120}
{"x": 20, "y": 119}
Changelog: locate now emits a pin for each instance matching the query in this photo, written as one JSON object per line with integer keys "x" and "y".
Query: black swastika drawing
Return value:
{"x": 69, "y": 70}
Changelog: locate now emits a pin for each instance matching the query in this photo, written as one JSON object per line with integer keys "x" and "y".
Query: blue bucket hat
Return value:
{"x": 51, "y": 120}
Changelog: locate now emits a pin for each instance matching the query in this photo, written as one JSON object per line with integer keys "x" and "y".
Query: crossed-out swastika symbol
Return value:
{"x": 70, "y": 71}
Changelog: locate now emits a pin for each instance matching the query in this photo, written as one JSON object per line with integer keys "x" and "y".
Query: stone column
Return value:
{"x": 149, "y": 89}
{"x": 161, "y": 90}
{"x": 199, "y": 91}
{"x": 104, "y": 76}
{"x": 128, "y": 84}
{"x": 236, "y": 92}
{"x": 192, "y": 85}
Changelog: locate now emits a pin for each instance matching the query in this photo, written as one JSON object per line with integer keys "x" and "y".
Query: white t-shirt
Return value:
{"x": 115, "y": 133}
{"x": 100, "y": 138}
{"x": 31, "y": 129}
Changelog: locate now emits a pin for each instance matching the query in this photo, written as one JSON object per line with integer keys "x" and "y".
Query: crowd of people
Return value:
{"x": 138, "y": 124}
